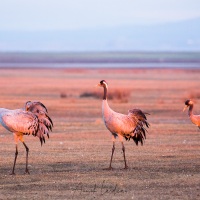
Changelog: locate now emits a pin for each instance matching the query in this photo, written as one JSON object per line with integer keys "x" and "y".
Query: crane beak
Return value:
{"x": 185, "y": 108}
{"x": 98, "y": 85}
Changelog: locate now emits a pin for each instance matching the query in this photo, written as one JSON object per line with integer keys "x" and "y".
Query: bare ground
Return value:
{"x": 71, "y": 163}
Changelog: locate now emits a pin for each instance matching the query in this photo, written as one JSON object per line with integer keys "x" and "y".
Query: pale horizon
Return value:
{"x": 100, "y": 25}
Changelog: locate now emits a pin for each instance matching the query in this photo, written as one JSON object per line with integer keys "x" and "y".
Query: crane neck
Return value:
{"x": 105, "y": 93}
{"x": 190, "y": 111}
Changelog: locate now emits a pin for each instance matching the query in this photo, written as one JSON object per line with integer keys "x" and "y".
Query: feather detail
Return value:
{"x": 45, "y": 122}
{"x": 34, "y": 106}
{"x": 141, "y": 120}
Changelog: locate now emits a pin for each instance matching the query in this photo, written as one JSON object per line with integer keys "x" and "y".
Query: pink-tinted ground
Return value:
{"x": 70, "y": 165}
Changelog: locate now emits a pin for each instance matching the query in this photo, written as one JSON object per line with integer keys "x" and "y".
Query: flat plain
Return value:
{"x": 70, "y": 165}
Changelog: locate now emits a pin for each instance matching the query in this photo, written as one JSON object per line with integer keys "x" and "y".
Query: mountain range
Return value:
{"x": 174, "y": 36}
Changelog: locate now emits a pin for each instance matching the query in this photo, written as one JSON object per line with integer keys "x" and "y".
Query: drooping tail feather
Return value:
{"x": 45, "y": 122}
{"x": 139, "y": 133}
{"x": 45, "y": 125}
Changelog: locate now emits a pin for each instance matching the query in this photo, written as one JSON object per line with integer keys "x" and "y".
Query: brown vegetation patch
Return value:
{"x": 121, "y": 95}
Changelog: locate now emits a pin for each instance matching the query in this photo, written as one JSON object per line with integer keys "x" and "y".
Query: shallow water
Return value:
{"x": 100, "y": 65}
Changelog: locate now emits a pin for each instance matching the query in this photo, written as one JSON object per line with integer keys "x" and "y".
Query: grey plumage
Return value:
{"x": 30, "y": 120}
{"x": 130, "y": 126}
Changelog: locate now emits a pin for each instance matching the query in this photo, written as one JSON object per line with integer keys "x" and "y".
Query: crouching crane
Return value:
{"x": 131, "y": 126}
{"x": 33, "y": 120}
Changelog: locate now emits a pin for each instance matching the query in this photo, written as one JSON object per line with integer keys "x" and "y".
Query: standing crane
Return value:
{"x": 33, "y": 120}
{"x": 131, "y": 126}
{"x": 195, "y": 119}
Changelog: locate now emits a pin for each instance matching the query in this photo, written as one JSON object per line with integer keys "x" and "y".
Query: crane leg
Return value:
{"x": 123, "y": 149}
{"x": 113, "y": 149}
{"x": 16, "y": 153}
{"x": 27, "y": 150}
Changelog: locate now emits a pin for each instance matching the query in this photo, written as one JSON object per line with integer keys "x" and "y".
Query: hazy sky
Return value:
{"x": 76, "y": 14}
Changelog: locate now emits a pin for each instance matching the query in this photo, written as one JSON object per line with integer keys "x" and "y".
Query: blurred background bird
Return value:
{"x": 131, "y": 126}
{"x": 195, "y": 119}
{"x": 33, "y": 120}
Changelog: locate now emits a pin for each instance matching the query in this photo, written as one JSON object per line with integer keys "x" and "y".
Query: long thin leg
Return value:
{"x": 123, "y": 149}
{"x": 16, "y": 153}
{"x": 113, "y": 149}
{"x": 27, "y": 150}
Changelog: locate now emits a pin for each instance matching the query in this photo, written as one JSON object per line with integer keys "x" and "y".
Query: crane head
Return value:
{"x": 27, "y": 105}
{"x": 102, "y": 83}
{"x": 187, "y": 104}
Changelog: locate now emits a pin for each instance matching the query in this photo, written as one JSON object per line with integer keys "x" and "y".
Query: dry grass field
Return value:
{"x": 71, "y": 163}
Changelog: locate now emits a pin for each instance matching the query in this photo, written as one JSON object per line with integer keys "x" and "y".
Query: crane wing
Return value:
{"x": 21, "y": 121}
{"x": 140, "y": 119}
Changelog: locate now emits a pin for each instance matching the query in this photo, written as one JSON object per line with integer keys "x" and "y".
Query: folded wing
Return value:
{"x": 19, "y": 121}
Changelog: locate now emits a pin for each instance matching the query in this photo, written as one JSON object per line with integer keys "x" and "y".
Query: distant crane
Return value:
{"x": 33, "y": 120}
{"x": 195, "y": 119}
{"x": 131, "y": 126}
